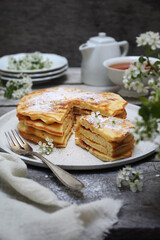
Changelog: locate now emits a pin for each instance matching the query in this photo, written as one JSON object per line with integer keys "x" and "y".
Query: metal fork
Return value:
{"x": 20, "y": 146}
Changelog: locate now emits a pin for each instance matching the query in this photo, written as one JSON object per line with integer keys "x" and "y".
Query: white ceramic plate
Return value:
{"x": 7, "y": 75}
{"x": 38, "y": 79}
{"x": 74, "y": 157}
{"x": 58, "y": 62}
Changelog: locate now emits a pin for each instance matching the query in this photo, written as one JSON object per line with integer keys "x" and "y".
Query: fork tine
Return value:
{"x": 10, "y": 140}
{"x": 22, "y": 143}
{"x": 18, "y": 138}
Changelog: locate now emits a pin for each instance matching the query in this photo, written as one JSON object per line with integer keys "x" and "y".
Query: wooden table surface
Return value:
{"x": 139, "y": 217}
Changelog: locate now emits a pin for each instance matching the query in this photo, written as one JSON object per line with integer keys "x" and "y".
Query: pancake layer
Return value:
{"x": 54, "y": 128}
{"x": 59, "y": 140}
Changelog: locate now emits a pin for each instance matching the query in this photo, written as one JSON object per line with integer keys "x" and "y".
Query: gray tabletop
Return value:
{"x": 140, "y": 215}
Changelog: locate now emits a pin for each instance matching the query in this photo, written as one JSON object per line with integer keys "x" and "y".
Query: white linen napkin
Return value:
{"x": 30, "y": 211}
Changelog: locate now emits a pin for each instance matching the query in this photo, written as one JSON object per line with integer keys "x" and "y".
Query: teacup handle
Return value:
{"x": 125, "y": 46}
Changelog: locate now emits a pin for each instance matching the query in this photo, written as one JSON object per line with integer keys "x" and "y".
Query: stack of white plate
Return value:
{"x": 58, "y": 68}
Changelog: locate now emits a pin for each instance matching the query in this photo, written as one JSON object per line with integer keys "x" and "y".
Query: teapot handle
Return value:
{"x": 125, "y": 46}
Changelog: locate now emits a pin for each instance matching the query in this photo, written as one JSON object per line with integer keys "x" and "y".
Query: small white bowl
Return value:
{"x": 116, "y": 75}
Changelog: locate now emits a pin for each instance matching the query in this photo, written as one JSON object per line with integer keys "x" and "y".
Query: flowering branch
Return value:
{"x": 130, "y": 178}
{"x": 30, "y": 61}
{"x": 17, "y": 88}
{"x": 144, "y": 77}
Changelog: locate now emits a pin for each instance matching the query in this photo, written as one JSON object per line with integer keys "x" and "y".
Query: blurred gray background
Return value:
{"x": 61, "y": 26}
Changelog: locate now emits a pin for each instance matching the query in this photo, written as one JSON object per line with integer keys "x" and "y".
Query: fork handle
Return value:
{"x": 66, "y": 178}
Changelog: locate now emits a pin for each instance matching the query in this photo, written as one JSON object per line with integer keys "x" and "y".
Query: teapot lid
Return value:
{"x": 101, "y": 38}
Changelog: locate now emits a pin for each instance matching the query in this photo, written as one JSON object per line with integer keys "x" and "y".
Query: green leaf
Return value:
{"x": 144, "y": 112}
{"x": 9, "y": 90}
{"x": 142, "y": 59}
{"x": 143, "y": 99}
{"x": 149, "y": 109}
{"x": 156, "y": 63}
{"x": 155, "y": 109}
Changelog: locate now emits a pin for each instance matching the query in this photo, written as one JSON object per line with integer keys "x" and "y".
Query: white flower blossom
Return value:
{"x": 127, "y": 83}
{"x": 31, "y": 61}
{"x": 18, "y": 87}
{"x": 131, "y": 78}
{"x": 131, "y": 178}
{"x": 138, "y": 173}
{"x": 46, "y": 148}
{"x": 140, "y": 67}
{"x": 134, "y": 70}
{"x": 136, "y": 186}
{"x": 151, "y": 82}
{"x": 119, "y": 182}
{"x": 151, "y": 98}
{"x": 149, "y": 38}
{"x": 19, "y": 93}
{"x": 131, "y": 71}
{"x": 142, "y": 40}
{"x": 96, "y": 119}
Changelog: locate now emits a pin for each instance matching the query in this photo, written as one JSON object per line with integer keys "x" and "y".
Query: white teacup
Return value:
{"x": 115, "y": 72}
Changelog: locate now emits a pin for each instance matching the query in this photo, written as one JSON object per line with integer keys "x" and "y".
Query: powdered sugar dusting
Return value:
{"x": 49, "y": 98}
{"x": 46, "y": 101}
{"x": 114, "y": 123}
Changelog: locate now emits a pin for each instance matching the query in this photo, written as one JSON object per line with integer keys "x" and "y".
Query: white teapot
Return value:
{"x": 94, "y": 52}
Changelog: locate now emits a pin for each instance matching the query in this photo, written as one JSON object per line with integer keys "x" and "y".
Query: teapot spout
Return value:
{"x": 86, "y": 51}
{"x": 85, "y": 48}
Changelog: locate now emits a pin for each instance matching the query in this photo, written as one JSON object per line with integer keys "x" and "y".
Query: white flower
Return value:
{"x": 140, "y": 67}
{"x": 96, "y": 119}
{"x": 134, "y": 70}
{"x": 136, "y": 186}
{"x": 151, "y": 98}
{"x": 46, "y": 148}
{"x": 19, "y": 87}
{"x": 131, "y": 178}
{"x": 138, "y": 173}
{"x": 49, "y": 140}
{"x": 151, "y": 82}
{"x": 17, "y": 94}
{"x": 122, "y": 177}
{"x": 126, "y": 82}
{"x": 39, "y": 143}
{"x": 140, "y": 88}
{"x": 31, "y": 61}
{"x": 119, "y": 182}
{"x": 149, "y": 38}
{"x": 131, "y": 71}
{"x": 127, "y": 169}
{"x": 142, "y": 40}
{"x": 131, "y": 78}
{"x": 26, "y": 81}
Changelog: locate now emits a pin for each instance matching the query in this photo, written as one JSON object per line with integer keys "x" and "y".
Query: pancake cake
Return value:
{"x": 50, "y": 112}
{"x": 108, "y": 141}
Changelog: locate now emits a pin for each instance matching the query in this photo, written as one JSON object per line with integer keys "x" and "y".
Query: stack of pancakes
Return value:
{"x": 110, "y": 141}
{"x": 50, "y": 112}
{"x": 38, "y": 130}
